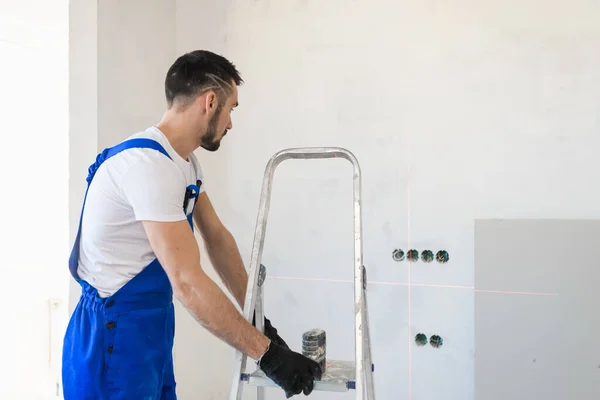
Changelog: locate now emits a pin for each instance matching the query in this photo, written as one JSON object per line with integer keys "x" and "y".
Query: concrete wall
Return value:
{"x": 456, "y": 112}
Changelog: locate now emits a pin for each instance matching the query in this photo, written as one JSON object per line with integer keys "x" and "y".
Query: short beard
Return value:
{"x": 208, "y": 140}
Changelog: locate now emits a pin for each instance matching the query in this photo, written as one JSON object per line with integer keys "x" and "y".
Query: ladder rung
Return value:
{"x": 339, "y": 376}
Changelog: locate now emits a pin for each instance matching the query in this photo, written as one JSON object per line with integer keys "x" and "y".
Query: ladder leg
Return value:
{"x": 240, "y": 359}
{"x": 239, "y": 365}
{"x": 370, "y": 383}
{"x": 259, "y": 315}
{"x": 237, "y": 385}
{"x": 359, "y": 344}
{"x": 359, "y": 284}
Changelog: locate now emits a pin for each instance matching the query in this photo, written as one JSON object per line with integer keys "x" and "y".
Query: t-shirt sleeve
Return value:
{"x": 155, "y": 189}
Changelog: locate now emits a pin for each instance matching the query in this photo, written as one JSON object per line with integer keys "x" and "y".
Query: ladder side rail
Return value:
{"x": 258, "y": 244}
{"x": 359, "y": 282}
{"x": 370, "y": 380}
{"x": 239, "y": 362}
{"x": 259, "y": 318}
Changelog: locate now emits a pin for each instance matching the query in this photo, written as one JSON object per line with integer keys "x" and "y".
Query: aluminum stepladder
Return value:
{"x": 340, "y": 376}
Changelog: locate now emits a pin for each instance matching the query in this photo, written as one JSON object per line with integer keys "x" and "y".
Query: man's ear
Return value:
{"x": 211, "y": 102}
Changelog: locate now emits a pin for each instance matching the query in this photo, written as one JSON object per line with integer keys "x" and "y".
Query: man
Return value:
{"x": 135, "y": 250}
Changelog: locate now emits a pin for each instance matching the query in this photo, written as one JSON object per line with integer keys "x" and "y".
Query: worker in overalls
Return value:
{"x": 135, "y": 250}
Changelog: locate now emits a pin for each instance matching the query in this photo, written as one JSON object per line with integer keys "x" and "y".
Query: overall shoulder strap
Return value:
{"x": 128, "y": 144}
{"x": 103, "y": 156}
{"x": 137, "y": 143}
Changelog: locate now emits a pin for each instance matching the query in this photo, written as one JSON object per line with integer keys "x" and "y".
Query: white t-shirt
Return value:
{"x": 134, "y": 185}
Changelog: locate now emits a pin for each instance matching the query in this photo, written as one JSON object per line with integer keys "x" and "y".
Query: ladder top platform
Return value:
{"x": 339, "y": 376}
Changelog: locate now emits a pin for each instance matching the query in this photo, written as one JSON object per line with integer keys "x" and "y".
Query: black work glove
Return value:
{"x": 271, "y": 332}
{"x": 292, "y": 371}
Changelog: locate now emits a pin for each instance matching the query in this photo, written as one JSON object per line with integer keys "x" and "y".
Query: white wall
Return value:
{"x": 119, "y": 54}
{"x": 34, "y": 173}
{"x": 118, "y": 58}
{"x": 456, "y": 111}
{"x": 414, "y": 90}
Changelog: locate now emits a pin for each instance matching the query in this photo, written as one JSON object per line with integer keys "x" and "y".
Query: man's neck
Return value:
{"x": 178, "y": 136}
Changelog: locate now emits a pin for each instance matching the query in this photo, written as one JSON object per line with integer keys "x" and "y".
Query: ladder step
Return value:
{"x": 339, "y": 376}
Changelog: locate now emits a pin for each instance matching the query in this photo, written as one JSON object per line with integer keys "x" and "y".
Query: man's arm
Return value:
{"x": 225, "y": 257}
{"x": 177, "y": 250}
{"x": 222, "y": 249}
{"x": 154, "y": 189}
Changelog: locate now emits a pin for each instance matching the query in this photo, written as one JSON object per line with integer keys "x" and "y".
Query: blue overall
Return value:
{"x": 120, "y": 347}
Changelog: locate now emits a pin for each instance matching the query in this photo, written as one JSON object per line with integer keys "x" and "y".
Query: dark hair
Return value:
{"x": 196, "y": 72}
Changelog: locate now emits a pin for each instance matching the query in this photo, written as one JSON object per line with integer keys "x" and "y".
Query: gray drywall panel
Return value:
{"x": 539, "y": 344}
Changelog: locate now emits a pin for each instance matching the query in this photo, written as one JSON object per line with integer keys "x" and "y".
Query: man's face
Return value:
{"x": 219, "y": 123}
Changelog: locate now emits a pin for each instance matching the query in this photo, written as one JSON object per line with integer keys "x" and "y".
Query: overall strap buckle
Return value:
{"x": 191, "y": 192}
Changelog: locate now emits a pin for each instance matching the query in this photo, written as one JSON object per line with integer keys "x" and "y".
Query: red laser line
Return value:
{"x": 443, "y": 286}
{"x": 409, "y": 285}
{"x": 293, "y": 278}
{"x": 415, "y": 285}
{"x": 518, "y": 293}
{"x": 389, "y": 283}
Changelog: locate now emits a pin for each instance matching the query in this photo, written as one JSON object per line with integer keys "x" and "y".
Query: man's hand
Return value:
{"x": 293, "y": 372}
{"x": 271, "y": 332}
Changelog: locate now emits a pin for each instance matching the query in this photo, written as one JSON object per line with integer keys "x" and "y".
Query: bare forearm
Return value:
{"x": 209, "y": 306}
{"x": 176, "y": 248}
{"x": 227, "y": 261}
